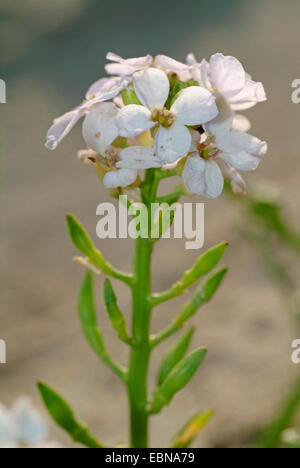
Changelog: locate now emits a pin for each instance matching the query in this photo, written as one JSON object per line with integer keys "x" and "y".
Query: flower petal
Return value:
{"x": 240, "y": 141}
{"x": 172, "y": 143}
{"x": 27, "y": 425}
{"x": 203, "y": 177}
{"x": 238, "y": 184}
{"x": 223, "y": 122}
{"x": 151, "y": 87}
{"x": 241, "y": 161}
{"x": 169, "y": 63}
{"x": 213, "y": 179}
{"x": 62, "y": 126}
{"x": 240, "y": 122}
{"x": 99, "y": 127}
{"x": 252, "y": 93}
{"x": 120, "y": 178}
{"x": 194, "y": 174}
{"x": 103, "y": 85}
{"x": 138, "y": 157}
{"x": 194, "y": 106}
{"x": 133, "y": 120}
{"x": 227, "y": 75}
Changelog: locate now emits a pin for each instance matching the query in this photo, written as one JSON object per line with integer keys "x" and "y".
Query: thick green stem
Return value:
{"x": 140, "y": 353}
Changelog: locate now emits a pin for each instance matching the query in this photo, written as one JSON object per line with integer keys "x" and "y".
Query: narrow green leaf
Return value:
{"x": 84, "y": 243}
{"x": 116, "y": 317}
{"x": 174, "y": 355}
{"x": 177, "y": 379}
{"x": 201, "y": 267}
{"x": 88, "y": 318}
{"x": 188, "y": 433}
{"x": 202, "y": 295}
{"x": 63, "y": 415}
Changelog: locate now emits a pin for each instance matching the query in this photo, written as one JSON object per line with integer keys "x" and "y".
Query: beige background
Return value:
{"x": 51, "y": 52}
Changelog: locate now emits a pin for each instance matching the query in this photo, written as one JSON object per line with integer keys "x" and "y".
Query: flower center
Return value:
{"x": 163, "y": 117}
{"x": 207, "y": 150}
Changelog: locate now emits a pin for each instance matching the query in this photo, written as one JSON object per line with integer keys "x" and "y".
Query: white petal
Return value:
{"x": 112, "y": 88}
{"x": 140, "y": 62}
{"x": 214, "y": 180}
{"x": 169, "y": 63}
{"x": 196, "y": 139}
{"x": 28, "y": 426}
{"x": 138, "y": 157}
{"x": 172, "y": 143}
{"x": 242, "y": 141}
{"x": 203, "y": 177}
{"x": 227, "y": 74}
{"x": 194, "y": 174}
{"x": 241, "y": 161}
{"x": 252, "y": 93}
{"x": 223, "y": 122}
{"x": 240, "y": 122}
{"x": 62, "y": 126}
{"x": 103, "y": 85}
{"x": 100, "y": 127}
{"x": 114, "y": 57}
{"x": 121, "y": 69}
{"x": 120, "y": 178}
{"x": 194, "y": 106}
{"x": 133, "y": 120}
{"x": 191, "y": 59}
{"x": 151, "y": 87}
{"x": 238, "y": 184}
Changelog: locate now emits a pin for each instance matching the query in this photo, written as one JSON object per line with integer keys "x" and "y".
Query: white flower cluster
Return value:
{"x": 22, "y": 426}
{"x": 155, "y": 112}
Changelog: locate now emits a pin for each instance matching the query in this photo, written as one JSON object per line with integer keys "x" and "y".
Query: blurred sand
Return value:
{"x": 246, "y": 328}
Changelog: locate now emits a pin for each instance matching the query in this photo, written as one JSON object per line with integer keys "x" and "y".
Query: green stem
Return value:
{"x": 140, "y": 353}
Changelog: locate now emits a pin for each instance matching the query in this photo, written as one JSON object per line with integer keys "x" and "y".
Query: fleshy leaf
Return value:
{"x": 116, "y": 317}
{"x": 91, "y": 330}
{"x": 63, "y": 415}
{"x": 174, "y": 355}
{"x": 188, "y": 433}
{"x": 176, "y": 380}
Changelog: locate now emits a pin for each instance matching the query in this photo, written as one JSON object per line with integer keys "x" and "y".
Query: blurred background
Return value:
{"x": 50, "y": 53}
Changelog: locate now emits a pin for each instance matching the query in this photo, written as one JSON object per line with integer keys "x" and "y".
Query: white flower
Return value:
{"x": 220, "y": 153}
{"x": 22, "y": 425}
{"x": 132, "y": 160}
{"x": 126, "y": 67}
{"x": 225, "y": 75}
{"x": 194, "y": 106}
{"x": 103, "y": 90}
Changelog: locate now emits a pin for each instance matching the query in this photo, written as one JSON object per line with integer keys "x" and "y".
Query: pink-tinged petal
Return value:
{"x": 120, "y": 178}
{"x": 191, "y": 59}
{"x": 251, "y": 94}
{"x": 133, "y": 120}
{"x": 241, "y": 161}
{"x": 62, "y": 127}
{"x": 140, "y": 62}
{"x": 240, "y": 122}
{"x": 103, "y": 85}
{"x": 121, "y": 69}
{"x": 172, "y": 143}
{"x": 138, "y": 157}
{"x": 169, "y": 63}
{"x": 194, "y": 106}
{"x": 227, "y": 74}
{"x": 151, "y": 87}
{"x": 100, "y": 128}
{"x": 110, "y": 91}
{"x": 223, "y": 122}
{"x": 114, "y": 57}
{"x": 214, "y": 180}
